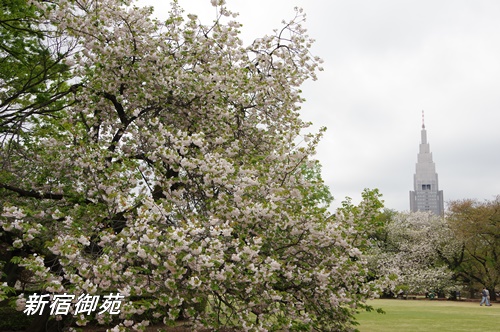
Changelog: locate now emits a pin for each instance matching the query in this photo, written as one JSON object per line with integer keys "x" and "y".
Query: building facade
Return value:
{"x": 426, "y": 195}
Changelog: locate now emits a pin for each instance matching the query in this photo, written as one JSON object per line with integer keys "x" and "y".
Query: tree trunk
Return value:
{"x": 493, "y": 295}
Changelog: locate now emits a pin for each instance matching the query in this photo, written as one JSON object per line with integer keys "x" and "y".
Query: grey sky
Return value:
{"x": 385, "y": 62}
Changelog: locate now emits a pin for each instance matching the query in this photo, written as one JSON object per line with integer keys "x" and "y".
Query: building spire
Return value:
{"x": 423, "y": 131}
{"x": 426, "y": 195}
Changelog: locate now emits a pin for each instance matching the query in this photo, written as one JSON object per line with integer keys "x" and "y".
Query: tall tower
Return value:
{"x": 426, "y": 195}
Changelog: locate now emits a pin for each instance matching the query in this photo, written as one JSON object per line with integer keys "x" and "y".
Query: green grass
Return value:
{"x": 425, "y": 315}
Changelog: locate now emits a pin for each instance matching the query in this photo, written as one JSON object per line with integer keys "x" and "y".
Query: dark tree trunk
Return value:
{"x": 493, "y": 295}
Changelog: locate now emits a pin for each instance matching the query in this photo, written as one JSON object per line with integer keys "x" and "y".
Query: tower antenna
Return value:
{"x": 423, "y": 124}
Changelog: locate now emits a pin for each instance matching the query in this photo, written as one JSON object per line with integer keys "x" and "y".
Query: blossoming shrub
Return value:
{"x": 174, "y": 176}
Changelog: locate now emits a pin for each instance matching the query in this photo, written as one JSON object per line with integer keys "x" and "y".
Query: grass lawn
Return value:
{"x": 400, "y": 316}
{"x": 425, "y": 315}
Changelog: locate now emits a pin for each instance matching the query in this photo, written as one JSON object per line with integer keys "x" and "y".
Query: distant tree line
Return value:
{"x": 420, "y": 253}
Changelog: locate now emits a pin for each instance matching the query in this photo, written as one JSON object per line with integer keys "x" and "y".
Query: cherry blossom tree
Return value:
{"x": 174, "y": 176}
{"x": 415, "y": 253}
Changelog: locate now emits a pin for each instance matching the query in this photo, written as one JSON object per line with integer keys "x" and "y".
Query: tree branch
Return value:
{"x": 32, "y": 193}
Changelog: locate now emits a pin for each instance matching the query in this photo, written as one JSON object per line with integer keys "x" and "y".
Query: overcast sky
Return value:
{"x": 385, "y": 62}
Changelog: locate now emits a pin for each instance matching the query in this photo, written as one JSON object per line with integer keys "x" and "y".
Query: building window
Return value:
{"x": 426, "y": 187}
